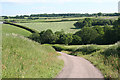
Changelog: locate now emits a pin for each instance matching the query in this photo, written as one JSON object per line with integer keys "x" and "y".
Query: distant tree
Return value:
{"x": 79, "y": 24}
{"x": 87, "y": 34}
{"x": 30, "y": 18}
{"x": 76, "y": 40}
{"x": 99, "y": 39}
{"x": 66, "y": 38}
{"x": 59, "y": 32}
{"x": 5, "y": 17}
{"x": 58, "y": 35}
{"x": 35, "y": 37}
{"x": 109, "y": 35}
{"x": 117, "y": 29}
{"x": 99, "y": 14}
{"x": 99, "y": 30}
{"x": 117, "y": 24}
{"x": 48, "y": 36}
{"x": 87, "y": 22}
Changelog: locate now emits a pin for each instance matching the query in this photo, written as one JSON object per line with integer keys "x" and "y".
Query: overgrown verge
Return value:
{"x": 20, "y": 26}
{"x": 107, "y": 60}
{"x": 24, "y": 58}
{"x": 104, "y": 58}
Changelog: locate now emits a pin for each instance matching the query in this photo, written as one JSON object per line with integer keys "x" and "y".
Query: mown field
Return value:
{"x": 24, "y": 58}
{"x": 57, "y": 24}
{"x": 68, "y": 27}
{"x": 6, "y": 28}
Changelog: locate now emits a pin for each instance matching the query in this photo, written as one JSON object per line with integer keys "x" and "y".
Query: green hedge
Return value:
{"x": 62, "y": 48}
{"x": 24, "y": 27}
{"x": 88, "y": 49}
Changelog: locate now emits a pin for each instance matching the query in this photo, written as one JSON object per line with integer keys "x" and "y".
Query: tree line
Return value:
{"x": 87, "y": 35}
{"x": 61, "y": 15}
{"x": 87, "y": 22}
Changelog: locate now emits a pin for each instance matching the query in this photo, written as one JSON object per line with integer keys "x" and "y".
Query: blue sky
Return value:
{"x": 21, "y": 7}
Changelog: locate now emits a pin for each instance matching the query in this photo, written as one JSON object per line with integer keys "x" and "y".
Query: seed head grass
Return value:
{"x": 24, "y": 58}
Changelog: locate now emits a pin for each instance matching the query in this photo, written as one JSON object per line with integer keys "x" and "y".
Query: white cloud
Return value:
{"x": 58, "y": 1}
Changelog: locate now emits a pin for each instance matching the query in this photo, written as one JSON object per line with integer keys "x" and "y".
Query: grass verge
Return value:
{"x": 104, "y": 57}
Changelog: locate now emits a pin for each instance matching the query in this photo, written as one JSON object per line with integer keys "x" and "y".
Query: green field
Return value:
{"x": 54, "y": 26}
{"x": 6, "y": 28}
{"x": 23, "y": 58}
{"x": 45, "y": 19}
{"x": 55, "y": 19}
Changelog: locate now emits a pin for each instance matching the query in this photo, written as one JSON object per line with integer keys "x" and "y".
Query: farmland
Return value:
{"x": 37, "y": 60}
{"x": 6, "y": 28}
{"x": 68, "y": 27}
{"x": 55, "y": 19}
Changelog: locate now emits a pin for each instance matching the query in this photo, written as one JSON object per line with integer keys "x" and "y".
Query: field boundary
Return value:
{"x": 23, "y": 27}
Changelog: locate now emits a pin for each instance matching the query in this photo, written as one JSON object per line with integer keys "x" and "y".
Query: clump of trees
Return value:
{"x": 48, "y": 37}
{"x": 88, "y": 22}
{"x": 87, "y": 35}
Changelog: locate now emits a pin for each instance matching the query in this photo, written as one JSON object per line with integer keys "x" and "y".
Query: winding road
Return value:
{"x": 78, "y": 67}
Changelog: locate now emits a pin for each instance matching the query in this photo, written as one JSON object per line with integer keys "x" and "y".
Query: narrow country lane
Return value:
{"x": 78, "y": 67}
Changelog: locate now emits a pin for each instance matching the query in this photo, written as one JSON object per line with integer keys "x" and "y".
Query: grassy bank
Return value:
{"x": 23, "y": 58}
{"x": 106, "y": 60}
{"x": 23, "y": 27}
{"x": 6, "y": 28}
{"x": 104, "y": 57}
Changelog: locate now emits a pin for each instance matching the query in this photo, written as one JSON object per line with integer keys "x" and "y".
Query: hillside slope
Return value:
{"x": 23, "y": 58}
{"x": 6, "y": 28}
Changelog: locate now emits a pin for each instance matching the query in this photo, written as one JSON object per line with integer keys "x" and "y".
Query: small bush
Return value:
{"x": 35, "y": 37}
{"x": 111, "y": 56}
{"x": 113, "y": 50}
{"x": 58, "y": 48}
{"x": 62, "y": 48}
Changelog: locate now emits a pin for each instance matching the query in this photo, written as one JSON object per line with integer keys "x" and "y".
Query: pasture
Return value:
{"x": 6, "y": 28}
{"x": 68, "y": 26}
{"x": 55, "y": 19}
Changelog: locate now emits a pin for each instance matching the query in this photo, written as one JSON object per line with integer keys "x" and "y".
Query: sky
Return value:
{"x": 27, "y": 7}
